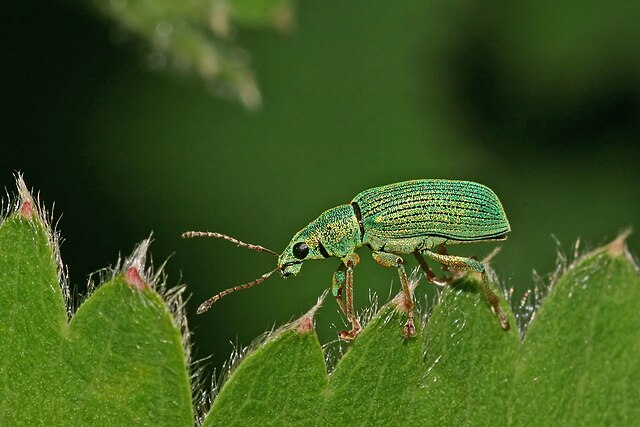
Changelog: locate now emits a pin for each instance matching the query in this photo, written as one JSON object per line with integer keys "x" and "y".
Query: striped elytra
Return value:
{"x": 456, "y": 210}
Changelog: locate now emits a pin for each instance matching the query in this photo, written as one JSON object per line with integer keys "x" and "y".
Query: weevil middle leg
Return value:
{"x": 386, "y": 259}
{"x": 469, "y": 264}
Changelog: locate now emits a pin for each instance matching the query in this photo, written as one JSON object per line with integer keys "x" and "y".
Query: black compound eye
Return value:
{"x": 300, "y": 250}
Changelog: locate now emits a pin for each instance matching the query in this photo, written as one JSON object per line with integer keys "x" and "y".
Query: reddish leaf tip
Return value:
{"x": 305, "y": 324}
{"x": 133, "y": 279}
{"x": 27, "y": 207}
{"x": 26, "y": 210}
{"x": 618, "y": 247}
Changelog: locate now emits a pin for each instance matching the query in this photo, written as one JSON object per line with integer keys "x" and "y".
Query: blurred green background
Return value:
{"x": 539, "y": 101}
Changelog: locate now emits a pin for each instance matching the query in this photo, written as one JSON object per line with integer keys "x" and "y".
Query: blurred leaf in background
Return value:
{"x": 198, "y": 36}
{"x": 538, "y": 101}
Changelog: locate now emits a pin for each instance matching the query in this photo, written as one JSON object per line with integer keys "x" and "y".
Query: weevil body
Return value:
{"x": 412, "y": 217}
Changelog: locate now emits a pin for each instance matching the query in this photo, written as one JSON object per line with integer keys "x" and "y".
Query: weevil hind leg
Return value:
{"x": 442, "y": 250}
{"x": 343, "y": 279}
{"x": 429, "y": 274}
{"x": 468, "y": 264}
{"x": 391, "y": 260}
{"x": 495, "y": 302}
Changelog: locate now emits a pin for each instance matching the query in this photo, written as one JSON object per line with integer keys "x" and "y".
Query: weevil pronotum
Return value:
{"x": 412, "y": 217}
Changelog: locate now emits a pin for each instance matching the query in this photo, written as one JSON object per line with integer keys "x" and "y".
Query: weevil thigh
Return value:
{"x": 456, "y": 262}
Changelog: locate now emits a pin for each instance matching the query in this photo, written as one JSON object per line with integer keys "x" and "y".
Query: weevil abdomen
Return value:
{"x": 424, "y": 213}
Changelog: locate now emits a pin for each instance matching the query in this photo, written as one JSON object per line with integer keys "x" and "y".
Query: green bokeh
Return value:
{"x": 539, "y": 102}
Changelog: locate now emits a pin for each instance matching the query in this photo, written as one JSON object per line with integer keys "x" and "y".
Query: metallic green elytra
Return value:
{"x": 412, "y": 217}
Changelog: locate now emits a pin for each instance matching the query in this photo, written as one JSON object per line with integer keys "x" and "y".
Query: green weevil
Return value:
{"x": 411, "y": 217}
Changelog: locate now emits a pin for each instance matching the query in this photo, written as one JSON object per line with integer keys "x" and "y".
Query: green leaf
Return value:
{"x": 120, "y": 361}
{"x": 469, "y": 359}
{"x": 382, "y": 379}
{"x": 262, "y": 13}
{"x": 378, "y": 365}
{"x": 576, "y": 366}
{"x": 579, "y": 363}
{"x": 284, "y": 385}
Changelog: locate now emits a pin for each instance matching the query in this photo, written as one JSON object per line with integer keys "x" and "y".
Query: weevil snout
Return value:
{"x": 289, "y": 268}
{"x": 298, "y": 250}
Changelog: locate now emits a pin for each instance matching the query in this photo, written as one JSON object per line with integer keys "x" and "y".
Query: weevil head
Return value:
{"x": 303, "y": 246}
{"x": 334, "y": 233}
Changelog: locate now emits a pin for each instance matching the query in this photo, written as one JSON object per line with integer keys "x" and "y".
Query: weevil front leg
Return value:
{"x": 343, "y": 279}
{"x": 386, "y": 259}
{"x": 468, "y": 264}
{"x": 338, "y": 283}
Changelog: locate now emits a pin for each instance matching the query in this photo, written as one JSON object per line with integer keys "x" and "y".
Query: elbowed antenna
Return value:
{"x": 208, "y": 303}
{"x": 215, "y": 235}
